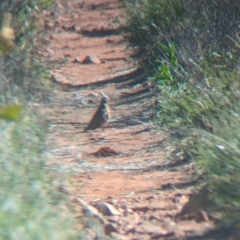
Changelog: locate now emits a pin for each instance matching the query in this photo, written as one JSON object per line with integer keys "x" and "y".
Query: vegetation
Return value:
{"x": 31, "y": 207}
{"x": 190, "y": 50}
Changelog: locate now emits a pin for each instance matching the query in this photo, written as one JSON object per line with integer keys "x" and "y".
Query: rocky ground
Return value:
{"x": 122, "y": 181}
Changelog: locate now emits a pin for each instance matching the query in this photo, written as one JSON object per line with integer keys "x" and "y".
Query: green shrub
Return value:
{"x": 191, "y": 50}
{"x": 30, "y": 207}
{"x": 199, "y": 28}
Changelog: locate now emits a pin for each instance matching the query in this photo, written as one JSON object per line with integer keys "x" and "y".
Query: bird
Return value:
{"x": 101, "y": 116}
{"x": 7, "y": 35}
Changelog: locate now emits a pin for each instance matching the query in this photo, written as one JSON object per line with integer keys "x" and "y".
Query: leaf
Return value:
{"x": 173, "y": 59}
{"x": 171, "y": 55}
{"x": 12, "y": 112}
{"x": 165, "y": 71}
{"x": 175, "y": 62}
{"x": 164, "y": 79}
{"x": 164, "y": 47}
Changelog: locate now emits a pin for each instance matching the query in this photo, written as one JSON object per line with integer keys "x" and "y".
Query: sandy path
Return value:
{"x": 122, "y": 174}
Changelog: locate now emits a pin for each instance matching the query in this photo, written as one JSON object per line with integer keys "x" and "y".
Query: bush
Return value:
{"x": 31, "y": 207}
{"x": 201, "y": 29}
{"x": 190, "y": 50}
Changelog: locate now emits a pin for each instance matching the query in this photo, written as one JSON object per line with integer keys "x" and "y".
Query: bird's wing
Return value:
{"x": 94, "y": 123}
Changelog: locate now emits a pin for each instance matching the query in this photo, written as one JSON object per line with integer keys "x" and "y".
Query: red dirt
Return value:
{"x": 122, "y": 176}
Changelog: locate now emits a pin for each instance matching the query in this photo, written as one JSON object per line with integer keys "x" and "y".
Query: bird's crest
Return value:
{"x": 104, "y": 96}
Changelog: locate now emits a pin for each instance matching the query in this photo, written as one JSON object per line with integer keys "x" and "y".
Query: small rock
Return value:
{"x": 104, "y": 152}
{"x": 50, "y": 50}
{"x": 93, "y": 94}
{"x": 202, "y": 217}
{"x": 127, "y": 211}
{"x": 151, "y": 229}
{"x": 159, "y": 204}
{"x": 50, "y": 24}
{"x": 181, "y": 199}
{"x": 188, "y": 217}
{"x": 147, "y": 84}
{"x": 149, "y": 198}
{"x": 91, "y": 58}
{"x": 107, "y": 209}
{"x": 68, "y": 26}
{"x": 60, "y": 6}
{"x": 140, "y": 207}
{"x": 109, "y": 228}
{"x": 214, "y": 217}
{"x": 47, "y": 13}
{"x": 76, "y": 60}
{"x": 75, "y": 15}
{"x": 118, "y": 236}
{"x": 78, "y": 29}
{"x": 91, "y": 211}
{"x": 67, "y": 55}
{"x": 112, "y": 201}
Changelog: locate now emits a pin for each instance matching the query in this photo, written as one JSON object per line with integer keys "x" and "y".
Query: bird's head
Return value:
{"x": 105, "y": 98}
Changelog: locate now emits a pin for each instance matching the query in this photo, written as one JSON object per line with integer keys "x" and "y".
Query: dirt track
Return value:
{"x": 122, "y": 176}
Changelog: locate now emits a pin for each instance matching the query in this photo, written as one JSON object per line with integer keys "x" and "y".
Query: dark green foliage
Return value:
{"x": 200, "y": 28}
